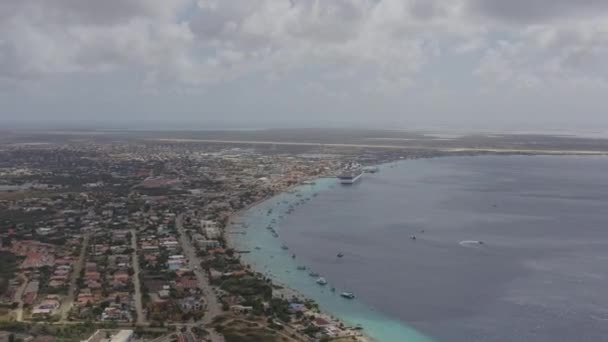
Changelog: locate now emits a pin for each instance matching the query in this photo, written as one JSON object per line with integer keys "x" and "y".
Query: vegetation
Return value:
{"x": 8, "y": 265}
{"x": 248, "y": 286}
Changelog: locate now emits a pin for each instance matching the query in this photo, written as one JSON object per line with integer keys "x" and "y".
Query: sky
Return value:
{"x": 392, "y": 63}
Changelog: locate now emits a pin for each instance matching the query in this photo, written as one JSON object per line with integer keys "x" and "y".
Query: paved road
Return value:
{"x": 214, "y": 308}
{"x": 68, "y": 301}
{"x": 19, "y": 298}
{"x": 139, "y": 308}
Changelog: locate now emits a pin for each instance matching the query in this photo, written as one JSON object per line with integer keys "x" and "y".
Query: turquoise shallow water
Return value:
{"x": 277, "y": 263}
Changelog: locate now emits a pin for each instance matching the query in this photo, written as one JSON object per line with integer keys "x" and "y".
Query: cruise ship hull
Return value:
{"x": 350, "y": 180}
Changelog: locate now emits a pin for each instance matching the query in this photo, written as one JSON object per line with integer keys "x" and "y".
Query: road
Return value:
{"x": 214, "y": 308}
{"x": 68, "y": 301}
{"x": 139, "y": 307}
{"x": 19, "y": 298}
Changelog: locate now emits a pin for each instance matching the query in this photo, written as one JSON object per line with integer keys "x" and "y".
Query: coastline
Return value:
{"x": 357, "y": 318}
{"x": 286, "y": 291}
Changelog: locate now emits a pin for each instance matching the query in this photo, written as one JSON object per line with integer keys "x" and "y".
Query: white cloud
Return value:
{"x": 383, "y": 43}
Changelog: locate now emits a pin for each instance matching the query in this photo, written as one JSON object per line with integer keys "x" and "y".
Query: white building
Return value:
{"x": 104, "y": 335}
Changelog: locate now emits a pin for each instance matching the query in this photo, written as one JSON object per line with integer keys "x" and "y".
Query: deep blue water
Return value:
{"x": 541, "y": 274}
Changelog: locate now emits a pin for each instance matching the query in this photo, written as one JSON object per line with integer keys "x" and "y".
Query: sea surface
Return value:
{"x": 540, "y": 273}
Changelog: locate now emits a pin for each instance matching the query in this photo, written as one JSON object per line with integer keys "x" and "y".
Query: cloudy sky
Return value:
{"x": 388, "y": 62}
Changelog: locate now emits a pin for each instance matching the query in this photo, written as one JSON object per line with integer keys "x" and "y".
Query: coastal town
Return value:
{"x": 130, "y": 237}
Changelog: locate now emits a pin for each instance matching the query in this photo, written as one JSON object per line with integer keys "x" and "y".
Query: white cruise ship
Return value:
{"x": 350, "y": 174}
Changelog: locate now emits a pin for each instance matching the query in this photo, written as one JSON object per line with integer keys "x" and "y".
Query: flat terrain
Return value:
{"x": 301, "y": 140}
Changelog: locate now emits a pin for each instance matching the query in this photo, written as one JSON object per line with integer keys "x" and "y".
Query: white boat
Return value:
{"x": 347, "y": 295}
{"x": 321, "y": 281}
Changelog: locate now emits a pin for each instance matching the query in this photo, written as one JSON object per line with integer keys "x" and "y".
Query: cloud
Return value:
{"x": 383, "y": 44}
{"x": 535, "y": 11}
{"x": 39, "y": 37}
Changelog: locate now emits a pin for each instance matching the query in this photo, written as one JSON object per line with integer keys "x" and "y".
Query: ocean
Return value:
{"x": 539, "y": 273}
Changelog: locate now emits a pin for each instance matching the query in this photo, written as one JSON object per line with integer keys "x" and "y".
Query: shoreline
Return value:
{"x": 286, "y": 291}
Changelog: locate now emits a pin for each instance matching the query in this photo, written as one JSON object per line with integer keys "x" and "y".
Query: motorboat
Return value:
{"x": 347, "y": 295}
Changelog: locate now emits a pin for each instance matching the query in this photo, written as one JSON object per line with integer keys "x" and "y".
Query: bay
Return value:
{"x": 539, "y": 275}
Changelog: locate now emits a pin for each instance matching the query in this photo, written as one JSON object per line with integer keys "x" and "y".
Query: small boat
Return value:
{"x": 321, "y": 281}
{"x": 313, "y": 274}
{"x": 340, "y": 255}
{"x": 413, "y": 237}
{"x": 301, "y": 268}
{"x": 347, "y": 295}
{"x": 293, "y": 256}
{"x": 258, "y": 247}
{"x": 333, "y": 289}
{"x": 284, "y": 247}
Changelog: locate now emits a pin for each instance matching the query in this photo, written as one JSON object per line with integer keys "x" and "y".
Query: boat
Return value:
{"x": 293, "y": 256}
{"x": 333, "y": 289}
{"x": 347, "y": 295}
{"x": 413, "y": 237}
{"x": 321, "y": 281}
{"x": 313, "y": 274}
{"x": 339, "y": 255}
{"x": 350, "y": 174}
{"x": 284, "y": 247}
{"x": 301, "y": 268}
